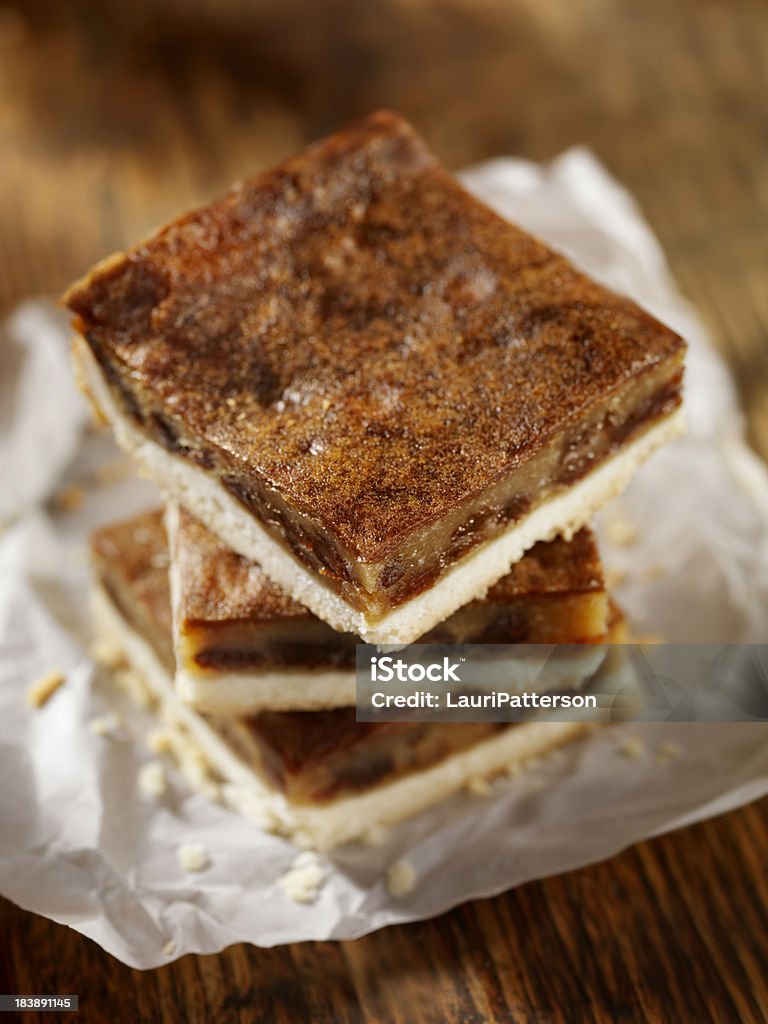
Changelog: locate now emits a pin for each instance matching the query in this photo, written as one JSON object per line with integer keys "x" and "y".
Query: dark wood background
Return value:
{"x": 114, "y": 116}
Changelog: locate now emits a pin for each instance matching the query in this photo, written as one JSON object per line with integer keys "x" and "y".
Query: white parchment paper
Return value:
{"x": 79, "y": 844}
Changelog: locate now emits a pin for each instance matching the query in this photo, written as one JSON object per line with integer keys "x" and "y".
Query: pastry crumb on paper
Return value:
{"x": 160, "y": 740}
{"x": 152, "y": 780}
{"x": 41, "y": 691}
{"x": 105, "y": 725}
{"x": 302, "y": 881}
{"x": 479, "y": 786}
{"x": 173, "y": 740}
{"x": 193, "y": 857}
{"x": 107, "y": 653}
{"x": 133, "y": 686}
{"x": 401, "y": 878}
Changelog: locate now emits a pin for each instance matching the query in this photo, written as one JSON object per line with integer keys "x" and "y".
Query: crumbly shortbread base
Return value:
{"x": 348, "y": 818}
{"x": 469, "y": 579}
{"x": 243, "y": 693}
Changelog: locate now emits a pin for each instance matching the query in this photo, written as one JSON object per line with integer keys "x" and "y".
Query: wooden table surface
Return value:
{"x": 114, "y": 116}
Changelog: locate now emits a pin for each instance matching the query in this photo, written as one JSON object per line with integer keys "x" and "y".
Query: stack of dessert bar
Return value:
{"x": 376, "y": 411}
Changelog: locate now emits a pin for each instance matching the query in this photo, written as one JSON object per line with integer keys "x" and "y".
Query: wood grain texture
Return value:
{"x": 673, "y": 930}
{"x": 115, "y": 116}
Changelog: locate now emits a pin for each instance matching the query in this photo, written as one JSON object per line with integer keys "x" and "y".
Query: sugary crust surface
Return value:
{"x": 218, "y": 585}
{"x": 359, "y": 333}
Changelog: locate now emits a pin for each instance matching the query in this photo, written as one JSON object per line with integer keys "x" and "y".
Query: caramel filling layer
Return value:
{"x": 310, "y": 645}
{"x": 274, "y": 742}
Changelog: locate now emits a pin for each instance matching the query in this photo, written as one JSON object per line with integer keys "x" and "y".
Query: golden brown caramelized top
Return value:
{"x": 356, "y": 330}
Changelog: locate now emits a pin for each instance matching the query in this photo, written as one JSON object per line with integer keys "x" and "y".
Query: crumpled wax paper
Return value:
{"x": 35, "y": 363}
{"x": 79, "y": 844}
